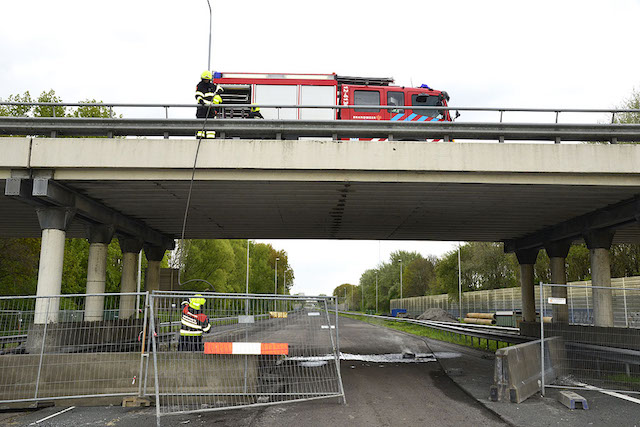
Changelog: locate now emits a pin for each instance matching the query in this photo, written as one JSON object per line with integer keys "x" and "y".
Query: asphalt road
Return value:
{"x": 387, "y": 391}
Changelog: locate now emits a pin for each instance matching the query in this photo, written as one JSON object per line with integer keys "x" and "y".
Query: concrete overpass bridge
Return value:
{"x": 528, "y": 195}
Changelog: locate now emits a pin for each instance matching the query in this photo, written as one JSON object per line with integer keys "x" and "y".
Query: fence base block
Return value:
{"x": 572, "y": 400}
{"x": 135, "y": 402}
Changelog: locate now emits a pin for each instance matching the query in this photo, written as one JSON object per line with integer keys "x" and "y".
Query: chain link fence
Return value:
{"x": 260, "y": 350}
{"x": 64, "y": 346}
{"x": 601, "y": 350}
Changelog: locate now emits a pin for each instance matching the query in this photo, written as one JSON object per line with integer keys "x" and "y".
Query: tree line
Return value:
{"x": 223, "y": 263}
{"x": 483, "y": 265}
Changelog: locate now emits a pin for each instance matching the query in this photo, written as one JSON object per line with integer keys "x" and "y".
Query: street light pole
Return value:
{"x": 210, "y": 25}
{"x": 275, "y": 278}
{"x": 401, "y": 279}
{"x": 247, "y": 288}
{"x": 459, "y": 286}
{"x": 376, "y": 291}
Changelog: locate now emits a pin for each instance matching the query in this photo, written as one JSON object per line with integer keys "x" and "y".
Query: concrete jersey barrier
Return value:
{"x": 517, "y": 369}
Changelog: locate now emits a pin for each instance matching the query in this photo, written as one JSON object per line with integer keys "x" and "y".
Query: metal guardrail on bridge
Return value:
{"x": 335, "y": 129}
{"x": 166, "y": 107}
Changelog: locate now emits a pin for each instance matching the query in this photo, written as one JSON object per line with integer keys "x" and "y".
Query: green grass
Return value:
{"x": 624, "y": 379}
{"x": 425, "y": 331}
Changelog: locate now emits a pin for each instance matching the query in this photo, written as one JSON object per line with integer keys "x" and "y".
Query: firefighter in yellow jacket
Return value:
{"x": 208, "y": 100}
{"x": 193, "y": 323}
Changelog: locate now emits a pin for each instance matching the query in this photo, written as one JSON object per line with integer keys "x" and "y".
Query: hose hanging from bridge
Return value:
{"x": 186, "y": 209}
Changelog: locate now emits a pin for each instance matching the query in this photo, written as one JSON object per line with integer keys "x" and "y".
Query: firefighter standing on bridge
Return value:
{"x": 207, "y": 98}
{"x": 193, "y": 323}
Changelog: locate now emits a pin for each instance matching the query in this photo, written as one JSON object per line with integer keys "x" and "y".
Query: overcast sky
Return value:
{"x": 542, "y": 54}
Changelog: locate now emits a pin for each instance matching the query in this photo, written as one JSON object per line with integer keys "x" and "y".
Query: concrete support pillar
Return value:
{"x": 154, "y": 256}
{"x": 130, "y": 249}
{"x": 54, "y": 223}
{"x": 599, "y": 243}
{"x": 99, "y": 238}
{"x": 527, "y": 259}
{"x": 558, "y": 252}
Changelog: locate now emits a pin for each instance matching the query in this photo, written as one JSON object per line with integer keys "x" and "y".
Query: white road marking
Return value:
{"x": 610, "y": 393}
{"x": 51, "y": 416}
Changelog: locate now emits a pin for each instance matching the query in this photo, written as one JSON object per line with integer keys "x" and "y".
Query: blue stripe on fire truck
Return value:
{"x": 397, "y": 117}
{"x": 411, "y": 117}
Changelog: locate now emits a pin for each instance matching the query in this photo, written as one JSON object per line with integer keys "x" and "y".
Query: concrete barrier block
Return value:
{"x": 517, "y": 369}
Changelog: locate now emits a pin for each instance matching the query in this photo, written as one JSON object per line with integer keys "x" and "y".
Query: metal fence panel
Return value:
{"x": 63, "y": 346}
{"x": 260, "y": 350}
{"x": 626, "y": 313}
{"x": 603, "y": 358}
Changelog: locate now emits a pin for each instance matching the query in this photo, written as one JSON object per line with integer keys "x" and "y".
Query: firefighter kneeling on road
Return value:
{"x": 207, "y": 98}
{"x": 193, "y": 323}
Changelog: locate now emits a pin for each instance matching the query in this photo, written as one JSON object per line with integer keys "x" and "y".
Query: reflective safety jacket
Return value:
{"x": 205, "y": 91}
{"x": 194, "y": 322}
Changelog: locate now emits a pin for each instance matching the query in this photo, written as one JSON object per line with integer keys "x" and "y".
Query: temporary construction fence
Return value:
{"x": 599, "y": 352}
{"x": 64, "y": 346}
{"x": 261, "y": 349}
{"x": 580, "y": 302}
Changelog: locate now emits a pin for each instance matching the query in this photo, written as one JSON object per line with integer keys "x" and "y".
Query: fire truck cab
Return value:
{"x": 330, "y": 90}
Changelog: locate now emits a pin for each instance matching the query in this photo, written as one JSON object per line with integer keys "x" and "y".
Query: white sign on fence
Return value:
{"x": 556, "y": 300}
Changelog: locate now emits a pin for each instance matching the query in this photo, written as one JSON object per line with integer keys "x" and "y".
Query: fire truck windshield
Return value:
{"x": 426, "y": 100}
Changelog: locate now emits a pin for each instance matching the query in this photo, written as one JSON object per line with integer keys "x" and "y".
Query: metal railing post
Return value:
{"x": 143, "y": 341}
{"x": 624, "y": 296}
{"x": 541, "y": 340}
{"x": 154, "y": 347}
{"x": 344, "y": 398}
{"x": 44, "y": 339}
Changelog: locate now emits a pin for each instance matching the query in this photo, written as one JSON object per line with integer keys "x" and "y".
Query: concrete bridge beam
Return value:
{"x": 99, "y": 238}
{"x": 130, "y": 249}
{"x": 599, "y": 243}
{"x": 54, "y": 223}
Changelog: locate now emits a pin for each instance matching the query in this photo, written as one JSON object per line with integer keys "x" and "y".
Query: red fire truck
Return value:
{"x": 330, "y": 90}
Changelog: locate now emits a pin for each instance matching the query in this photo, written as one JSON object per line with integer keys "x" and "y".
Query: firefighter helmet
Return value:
{"x": 206, "y": 75}
{"x": 196, "y": 302}
{"x": 254, "y": 109}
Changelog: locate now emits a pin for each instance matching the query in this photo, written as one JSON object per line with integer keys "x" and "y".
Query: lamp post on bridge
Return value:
{"x": 210, "y": 25}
